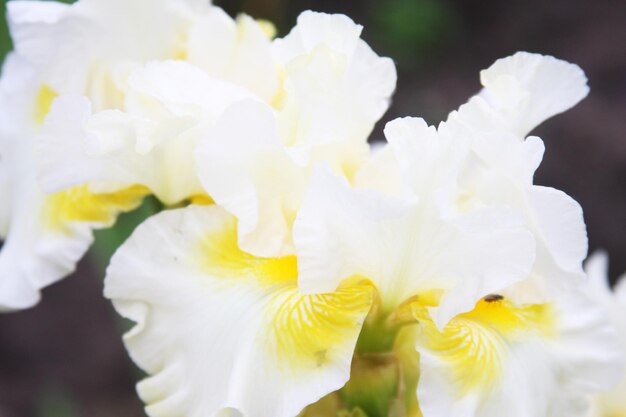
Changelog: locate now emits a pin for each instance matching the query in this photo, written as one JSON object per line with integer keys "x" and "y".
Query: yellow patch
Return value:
{"x": 473, "y": 344}
{"x": 201, "y": 200}
{"x": 301, "y": 330}
{"x": 78, "y": 204}
{"x": 222, "y": 257}
{"x": 310, "y": 331}
{"x": 43, "y": 103}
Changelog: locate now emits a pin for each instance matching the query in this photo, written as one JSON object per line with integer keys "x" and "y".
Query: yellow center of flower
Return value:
{"x": 78, "y": 204}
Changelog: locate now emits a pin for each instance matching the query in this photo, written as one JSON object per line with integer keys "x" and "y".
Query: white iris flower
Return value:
{"x": 302, "y": 274}
{"x": 418, "y": 267}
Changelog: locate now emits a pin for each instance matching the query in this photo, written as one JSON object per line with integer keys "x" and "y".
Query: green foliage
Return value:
{"x": 409, "y": 29}
{"x": 5, "y": 40}
{"x": 108, "y": 240}
{"x": 56, "y": 402}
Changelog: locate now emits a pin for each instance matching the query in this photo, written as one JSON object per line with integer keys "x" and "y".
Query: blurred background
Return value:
{"x": 65, "y": 358}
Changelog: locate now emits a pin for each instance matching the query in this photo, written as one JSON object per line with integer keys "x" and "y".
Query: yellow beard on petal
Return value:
{"x": 43, "y": 103}
{"x": 301, "y": 330}
{"x": 309, "y": 330}
{"x": 78, "y": 204}
{"x": 473, "y": 345}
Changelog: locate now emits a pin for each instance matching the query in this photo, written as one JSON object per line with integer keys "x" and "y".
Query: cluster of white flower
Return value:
{"x": 297, "y": 270}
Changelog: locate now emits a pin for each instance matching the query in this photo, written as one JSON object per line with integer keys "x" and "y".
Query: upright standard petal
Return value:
{"x": 520, "y": 92}
{"x": 219, "y": 329}
{"x": 238, "y": 51}
{"x": 335, "y": 87}
{"x": 76, "y": 47}
{"x": 245, "y": 169}
{"x": 406, "y": 248}
{"x": 526, "y": 89}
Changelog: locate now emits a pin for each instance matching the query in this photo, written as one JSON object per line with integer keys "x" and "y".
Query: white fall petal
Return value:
{"x": 530, "y": 360}
{"x": 86, "y": 48}
{"x": 219, "y": 329}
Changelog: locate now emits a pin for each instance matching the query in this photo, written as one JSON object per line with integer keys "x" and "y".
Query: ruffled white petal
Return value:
{"x": 530, "y": 360}
{"x": 336, "y": 87}
{"x": 29, "y": 259}
{"x": 48, "y": 234}
{"x": 406, "y": 248}
{"x": 220, "y": 330}
{"x": 151, "y": 142}
{"x": 380, "y": 172}
{"x": 526, "y": 89}
{"x": 560, "y": 223}
{"x": 314, "y": 29}
{"x": 503, "y": 176}
{"x": 74, "y": 46}
{"x": 430, "y": 164}
{"x": 236, "y": 51}
{"x": 245, "y": 169}
{"x": 33, "y": 256}
{"x": 597, "y": 270}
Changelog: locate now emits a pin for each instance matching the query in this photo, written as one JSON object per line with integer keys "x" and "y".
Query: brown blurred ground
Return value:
{"x": 65, "y": 358}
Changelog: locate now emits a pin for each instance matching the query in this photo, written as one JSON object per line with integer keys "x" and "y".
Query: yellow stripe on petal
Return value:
{"x": 43, "y": 103}
{"x": 78, "y": 204}
{"x": 301, "y": 330}
{"x": 221, "y": 257}
{"x": 473, "y": 345}
{"x": 310, "y": 331}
